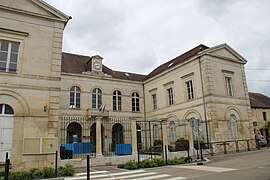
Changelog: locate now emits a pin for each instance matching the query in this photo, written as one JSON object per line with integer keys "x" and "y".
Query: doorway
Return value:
{"x": 6, "y": 130}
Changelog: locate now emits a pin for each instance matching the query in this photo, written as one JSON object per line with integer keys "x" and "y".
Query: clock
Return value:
{"x": 97, "y": 65}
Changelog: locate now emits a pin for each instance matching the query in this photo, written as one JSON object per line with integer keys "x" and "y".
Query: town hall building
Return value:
{"x": 51, "y": 99}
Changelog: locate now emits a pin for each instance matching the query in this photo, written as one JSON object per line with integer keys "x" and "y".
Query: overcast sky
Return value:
{"x": 138, "y": 35}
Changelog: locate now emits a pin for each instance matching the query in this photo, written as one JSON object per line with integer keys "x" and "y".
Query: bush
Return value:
{"x": 22, "y": 175}
{"x": 148, "y": 163}
{"x": 181, "y": 144}
{"x": 171, "y": 148}
{"x": 131, "y": 165}
{"x": 67, "y": 170}
{"x": 176, "y": 161}
{"x": 35, "y": 173}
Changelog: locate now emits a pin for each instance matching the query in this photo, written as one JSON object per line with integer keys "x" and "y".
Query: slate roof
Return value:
{"x": 77, "y": 64}
{"x": 258, "y": 100}
{"x": 73, "y": 63}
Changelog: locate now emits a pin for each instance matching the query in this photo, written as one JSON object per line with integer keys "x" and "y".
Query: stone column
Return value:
{"x": 134, "y": 136}
{"x": 98, "y": 137}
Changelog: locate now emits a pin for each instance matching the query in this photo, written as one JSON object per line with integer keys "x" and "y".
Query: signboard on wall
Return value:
{"x": 45, "y": 145}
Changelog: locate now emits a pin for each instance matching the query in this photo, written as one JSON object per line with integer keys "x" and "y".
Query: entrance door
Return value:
{"x": 6, "y": 131}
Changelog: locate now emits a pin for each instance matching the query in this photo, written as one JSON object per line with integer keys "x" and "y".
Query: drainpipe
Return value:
{"x": 144, "y": 115}
{"x": 204, "y": 105}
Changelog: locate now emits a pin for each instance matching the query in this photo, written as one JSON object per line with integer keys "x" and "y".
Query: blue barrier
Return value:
{"x": 79, "y": 148}
{"x": 123, "y": 149}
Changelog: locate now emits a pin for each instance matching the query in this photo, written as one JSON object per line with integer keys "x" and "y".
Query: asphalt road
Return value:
{"x": 243, "y": 166}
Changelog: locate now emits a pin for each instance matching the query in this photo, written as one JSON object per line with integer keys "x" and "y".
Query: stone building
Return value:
{"x": 260, "y": 108}
{"x": 31, "y": 34}
{"x": 50, "y": 99}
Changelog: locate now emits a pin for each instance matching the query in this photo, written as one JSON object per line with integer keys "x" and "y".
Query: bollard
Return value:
{"x": 88, "y": 167}
{"x": 56, "y": 158}
{"x": 7, "y": 169}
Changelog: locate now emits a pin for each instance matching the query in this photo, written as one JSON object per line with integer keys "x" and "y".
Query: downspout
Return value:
{"x": 144, "y": 116}
{"x": 204, "y": 105}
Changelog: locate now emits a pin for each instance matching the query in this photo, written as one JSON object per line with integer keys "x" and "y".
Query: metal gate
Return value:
{"x": 149, "y": 139}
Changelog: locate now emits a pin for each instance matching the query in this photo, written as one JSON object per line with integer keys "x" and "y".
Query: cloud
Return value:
{"x": 137, "y": 36}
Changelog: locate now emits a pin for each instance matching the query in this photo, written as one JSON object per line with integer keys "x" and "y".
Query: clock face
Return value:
{"x": 97, "y": 65}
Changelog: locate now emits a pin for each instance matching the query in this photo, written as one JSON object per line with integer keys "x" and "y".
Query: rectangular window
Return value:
{"x": 8, "y": 56}
{"x": 190, "y": 90}
{"x": 264, "y": 116}
{"x": 228, "y": 82}
{"x": 170, "y": 96}
{"x": 154, "y": 100}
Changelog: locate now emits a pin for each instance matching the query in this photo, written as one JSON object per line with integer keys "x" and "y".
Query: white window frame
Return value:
{"x": 9, "y": 53}
{"x": 154, "y": 101}
{"x": 117, "y": 100}
{"x": 96, "y": 98}
{"x": 76, "y": 93}
{"x": 135, "y": 102}
{"x": 189, "y": 89}
{"x": 156, "y": 132}
{"x": 172, "y": 132}
{"x": 233, "y": 124}
{"x": 170, "y": 96}
{"x": 229, "y": 85}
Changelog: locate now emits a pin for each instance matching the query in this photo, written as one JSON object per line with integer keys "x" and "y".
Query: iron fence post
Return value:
{"x": 225, "y": 150}
{"x": 7, "y": 169}
{"x": 56, "y": 158}
{"x": 88, "y": 167}
{"x": 248, "y": 147}
{"x": 237, "y": 147}
{"x": 166, "y": 157}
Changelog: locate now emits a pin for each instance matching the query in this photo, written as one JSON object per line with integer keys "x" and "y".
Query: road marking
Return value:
{"x": 137, "y": 175}
{"x": 92, "y": 172}
{"x": 127, "y": 172}
{"x": 207, "y": 168}
{"x": 152, "y": 177}
{"x": 133, "y": 174}
{"x": 176, "y": 178}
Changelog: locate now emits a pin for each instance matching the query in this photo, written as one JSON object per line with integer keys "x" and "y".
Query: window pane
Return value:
{"x": 2, "y": 66}
{"x": 8, "y": 110}
{"x": 12, "y": 67}
{"x": 3, "y": 56}
{"x": 15, "y": 47}
{"x": 13, "y": 57}
{"x": 4, "y": 45}
{"x": 1, "y": 106}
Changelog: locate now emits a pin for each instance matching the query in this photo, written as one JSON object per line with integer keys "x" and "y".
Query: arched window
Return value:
{"x": 156, "y": 132}
{"x": 96, "y": 98}
{"x": 233, "y": 122}
{"x": 6, "y": 109}
{"x": 135, "y": 102}
{"x": 172, "y": 131}
{"x": 117, "y": 101}
{"x": 117, "y": 135}
{"x": 75, "y": 97}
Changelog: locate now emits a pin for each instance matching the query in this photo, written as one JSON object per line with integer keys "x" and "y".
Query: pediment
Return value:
{"x": 34, "y": 7}
{"x": 226, "y": 52}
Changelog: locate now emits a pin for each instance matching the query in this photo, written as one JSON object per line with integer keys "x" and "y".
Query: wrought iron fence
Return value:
{"x": 76, "y": 137}
{"x": 116, "y": 136}
{"x": 149, "y": 139}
